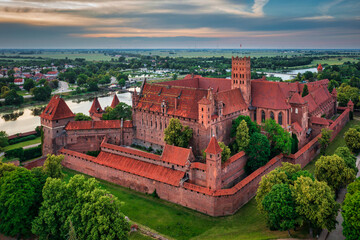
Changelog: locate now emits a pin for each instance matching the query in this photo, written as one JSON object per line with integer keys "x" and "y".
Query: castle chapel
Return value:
{"x": 207, "y": 106}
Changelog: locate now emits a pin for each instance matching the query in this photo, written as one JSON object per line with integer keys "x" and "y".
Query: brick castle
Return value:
{"x": 207, "y": 106}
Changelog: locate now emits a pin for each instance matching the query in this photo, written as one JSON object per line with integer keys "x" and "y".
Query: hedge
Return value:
{"x": 24, "y": 154}
{"x": 21, "y": 139}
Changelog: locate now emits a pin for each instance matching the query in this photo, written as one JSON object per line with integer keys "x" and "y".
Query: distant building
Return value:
{"x": 19, "y": 81}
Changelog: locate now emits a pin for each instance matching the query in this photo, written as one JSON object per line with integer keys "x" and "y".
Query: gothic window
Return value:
{"x": 262, "y": 116}
{"x": 280, "y": 118}
{"x": 255, "y": 115}
{"x": 202, "y": 109}
{"x": 296, "y": 110}
{"x": 272, "y": 115}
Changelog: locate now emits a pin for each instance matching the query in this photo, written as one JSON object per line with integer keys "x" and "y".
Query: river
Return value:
{"x": 290, "y": 74}
{"x": 27, "y": 121}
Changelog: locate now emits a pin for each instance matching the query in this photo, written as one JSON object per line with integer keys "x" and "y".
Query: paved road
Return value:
{"x": 63, "y": 87}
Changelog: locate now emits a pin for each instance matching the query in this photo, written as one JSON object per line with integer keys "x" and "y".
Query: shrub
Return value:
{"x": 21, "y": 139}
{"x": 31, "y": 153}
{"x": 15, "y": 153}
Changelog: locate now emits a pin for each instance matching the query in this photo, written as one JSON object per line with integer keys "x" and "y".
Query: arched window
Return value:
{"x": 272, "y": 115}
{"x": 255, "y": 116}
{"x": 280, "y": 118}
{"x": 263, "y": 116}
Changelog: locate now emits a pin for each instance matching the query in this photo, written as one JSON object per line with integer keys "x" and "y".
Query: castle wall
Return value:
{"x": 233, "y": 169}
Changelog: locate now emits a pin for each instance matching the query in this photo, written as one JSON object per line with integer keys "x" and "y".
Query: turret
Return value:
{"x": 53, "y": 120}
{"x": 319, "y": 68}
{"x": 96, "y": 111}
{"x": 241, "y": 77}
{"x": 213, "y": 165}
{"x": 115, "y": 101}
{"x": 204, "y": 112}
{"x": 350, "y": 105}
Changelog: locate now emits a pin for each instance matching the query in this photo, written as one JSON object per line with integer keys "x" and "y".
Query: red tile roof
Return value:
{"x": 95, "y": 107}
{"x": 320, "y": 68}
{"x": 232, "y": 99}
{"x": 52, "y": 73}
{"x": 198, "y": 165}
{"x": 268, "y": 95}
{"x": 18, "y": 80}
{"x": 57, "y": 109}
{"x": 334, "y": 92}
{"x": 233, "y": 159}
{"x": 350, "y": 103}
{"x": 132, "y": 151}
{"x": 319, "y": 121}
{"x": 297, "y": 127}
{"x": 204, "y": 101}
{"x": 140, "y": 168}
{"x": 115, "y": 101}
{"x": 103, "y": 124}
{"x": 175, "y": 155}
{"x": 296, "y": 99}
{"x": 213, "y": 147}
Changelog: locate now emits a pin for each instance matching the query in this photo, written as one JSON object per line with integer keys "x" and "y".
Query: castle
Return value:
{"x": 207, "y": 106}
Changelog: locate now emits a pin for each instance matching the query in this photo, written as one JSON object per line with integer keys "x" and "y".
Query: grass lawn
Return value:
{"x": 182, "y": 223}
{"x": 23, "y": 144}
{"x": 338, "y": 142}
{"x": 139, "y": 236}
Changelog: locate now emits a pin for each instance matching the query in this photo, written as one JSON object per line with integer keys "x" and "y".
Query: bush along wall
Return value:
{"x": 24, "y": 154}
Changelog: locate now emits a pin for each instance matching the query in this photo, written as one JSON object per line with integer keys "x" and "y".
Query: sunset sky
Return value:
{"x": 179, "y": 23}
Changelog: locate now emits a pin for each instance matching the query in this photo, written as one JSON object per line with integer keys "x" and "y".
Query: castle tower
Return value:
{"x": 53, "y": 120}
{"x": 96, "y": 110}
{"x": 213, "y": 165}
{"x": 350, "y": 105}
{"x": 319, "y": 68}
{"x": 115, "y": 101}
{"x": 241, "y": 76}
{"x": 300, "y": 111}
{"x": 204, "y": 112}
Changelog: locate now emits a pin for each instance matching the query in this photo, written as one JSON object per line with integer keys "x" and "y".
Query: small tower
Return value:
{"x": 53, "y": 120}
{"x": 350, "y": 105}
{"x": 115, "y": 101}
{"x": 135, "y": 98}
{"x": 213, "y": 165}
{"x": 319, "y": 68}
{"x": 241, "y": 77}
{"x": 96, "y": 110}
{"x": 204, "y": 112}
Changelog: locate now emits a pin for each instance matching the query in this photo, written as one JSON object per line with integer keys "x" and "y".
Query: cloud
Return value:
{"x": 259, "y": 6}
{"x": 324, "y": 17}
{"x": 325, "y": 7}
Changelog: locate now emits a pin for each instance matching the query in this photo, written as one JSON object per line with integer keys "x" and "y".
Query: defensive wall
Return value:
{"x": 220, "y": 202}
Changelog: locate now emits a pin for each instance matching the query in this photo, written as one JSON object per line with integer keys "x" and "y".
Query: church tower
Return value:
{"x": 241, "y": 76}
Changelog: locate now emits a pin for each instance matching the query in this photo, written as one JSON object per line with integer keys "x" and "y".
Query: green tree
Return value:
{"x": 174, "y": 76}
{"x": 280, "y": 140}
{"x": 72, "y": 232}
{"x": 334, "y": 171}
{"x": 29, "y": 84}
{"x": 92, "y": 86}
{"x": 345, "y": 93}
{"x": 52, "y": 166}
{"x": 3, "y": 140}
{"x": 122, "y": 110}
{"x": 280, "y": 208}
{"x": 332, "y": 84}
{"x": 305, "y": 91}
{"x": 42, "y": 93}
{"x": 349, "y": 158}
{"x": 324, "y": 140}
{"x": 121, "y": 82}
{"x": 242, "y": 136}
{"x": 352, "y": 139}
{"x": 12, "y": 98}
{"x": 6, "y": 167}
{"x": 4, "y": 91}
{"x": 20, "y": 198}
{"x": 81, "y": 79}
{"x": 253, "y": 126}
{"x": 225, "y": 154}
{"x": 176, "y": 134}
{"x": 82, "y": 117}
{"x": 350, "y": 213}
{"x": 258, "y": 152}
{"x": 315, "y": 202}
{"x": 93, "y": 212}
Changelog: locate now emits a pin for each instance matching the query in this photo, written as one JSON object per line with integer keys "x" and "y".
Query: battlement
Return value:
{"x": 238, "y": 59}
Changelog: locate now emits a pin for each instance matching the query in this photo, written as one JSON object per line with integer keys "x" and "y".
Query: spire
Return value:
{"x": 319, "y": 68}
{"x": 57, "y": 109}
{"x": 213, "y": 147}
{"x": 334, "y": 92}
{"x": 95, "y": 107}
{"x": 115, "y": 101}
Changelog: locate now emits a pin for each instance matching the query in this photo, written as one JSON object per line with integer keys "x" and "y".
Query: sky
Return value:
{"x": 140, "y": 24}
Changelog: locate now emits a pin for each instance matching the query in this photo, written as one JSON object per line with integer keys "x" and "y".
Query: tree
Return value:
{"x": 352, "y": 139}
{"x": 294, "y": 143}
{"x": 242, "y": 136}
{"x": 280, "y": 140}
{"x": 345, "y": 93}
{"x": 176, "y": 134}
{"x": 121, "y": 82}
{"x": 349, "y": 158}
{"x": 305, "y": 91}
{"x": 12, "y": 98}
{"x": 253, "y": 126}
{"x": 315, "y": 202}
{"x": 72, "y": 233}
{"x": 6, "y": 167}
{"x": 324, "y": 140}
{"x": 258, "y": 152}
{"x": 332, "y": 84}
{"x": 29, "y": 84}
{"x": 20, "y": 198}
{"x": 93, "y": 212}
{"x": 42, "y": 93}
{"x": 225, "y": 154}
{"x": 3, "y": 140}
{"x": 93, "y": 86}
{"x": 81, "y": 79}
{"x": 350, "y": 213}
{"x": 122, "y": 110}
{"x": 280, "y": 208}
{"x": 52, "y": 166}
{"x": 334, "y": 171}
{"x": 82, "y": 117}
{"x": 174, "y": 76}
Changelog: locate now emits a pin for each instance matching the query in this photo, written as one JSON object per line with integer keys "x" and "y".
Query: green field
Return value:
{"x": 23, "y": 144}
{"x": 338, "y": 142}
{"x": 182, "y": 223}
{"x": 60, "y": 55}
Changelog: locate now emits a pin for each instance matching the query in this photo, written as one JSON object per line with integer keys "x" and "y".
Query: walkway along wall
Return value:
{"x": 215, "y": 203}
